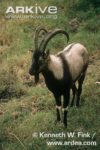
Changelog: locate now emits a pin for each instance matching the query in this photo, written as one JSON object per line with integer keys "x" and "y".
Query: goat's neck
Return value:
{"x": 54, "y": 66}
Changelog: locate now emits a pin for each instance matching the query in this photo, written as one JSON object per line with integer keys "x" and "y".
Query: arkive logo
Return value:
{"x": 36, "y": 9}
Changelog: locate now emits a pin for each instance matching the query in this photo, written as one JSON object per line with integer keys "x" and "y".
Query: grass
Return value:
{"x": 26, "y": 108}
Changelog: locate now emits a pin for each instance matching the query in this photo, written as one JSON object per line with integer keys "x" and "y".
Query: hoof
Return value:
{"x": 71, "y": 105}
{"x": 65, "y": 124}
{"x": 77, "y": 105}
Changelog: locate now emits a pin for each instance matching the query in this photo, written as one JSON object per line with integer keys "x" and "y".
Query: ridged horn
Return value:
{"x": 37, "y": 31}
{"x": 50, "y": 36}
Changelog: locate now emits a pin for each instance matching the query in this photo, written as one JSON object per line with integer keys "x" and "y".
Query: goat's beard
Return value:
{"x": 36, "y": 78}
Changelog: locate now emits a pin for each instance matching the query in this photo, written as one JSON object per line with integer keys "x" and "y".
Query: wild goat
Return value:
{"x": 60, "y": 71}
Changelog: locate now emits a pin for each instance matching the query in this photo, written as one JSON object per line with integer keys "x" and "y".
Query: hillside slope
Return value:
{"x": 25, "y": 108}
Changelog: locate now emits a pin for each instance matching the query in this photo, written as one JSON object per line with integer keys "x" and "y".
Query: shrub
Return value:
{"x": 93, "y": 25}
{"x": 10, "y": 86}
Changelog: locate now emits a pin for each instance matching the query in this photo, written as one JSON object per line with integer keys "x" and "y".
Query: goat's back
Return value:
{"x": 76, "y": 56}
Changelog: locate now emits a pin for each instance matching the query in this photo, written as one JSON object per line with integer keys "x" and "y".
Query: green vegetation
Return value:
{"x": 24, "y": 108}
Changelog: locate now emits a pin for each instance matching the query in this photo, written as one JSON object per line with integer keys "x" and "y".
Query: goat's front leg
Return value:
{"x": 58, "y": 106}
{"x": 65, "y": 107}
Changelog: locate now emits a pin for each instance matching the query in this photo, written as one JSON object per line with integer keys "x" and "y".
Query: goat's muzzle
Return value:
{"x": 31, "y": 72}
{"x": 36, "y": 75}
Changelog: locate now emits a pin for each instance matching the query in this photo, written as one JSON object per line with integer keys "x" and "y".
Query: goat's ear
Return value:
{"x": 46, "y": 54}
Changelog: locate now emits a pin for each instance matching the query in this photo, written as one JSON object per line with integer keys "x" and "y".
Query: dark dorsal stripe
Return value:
{"x": 67, "y": 75}
{"x": 67, "y": 50}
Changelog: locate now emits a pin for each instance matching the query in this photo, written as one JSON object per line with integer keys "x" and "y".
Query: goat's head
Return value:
{"x": 40, "y": 54}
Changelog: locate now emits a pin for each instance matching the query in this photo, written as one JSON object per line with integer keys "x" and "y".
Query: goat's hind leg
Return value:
{"x": 74, "y": 90}
{"x": 79, "y": 91}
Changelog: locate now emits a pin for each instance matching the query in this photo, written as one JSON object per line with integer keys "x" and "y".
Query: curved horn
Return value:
{"x": 37, "y": 31}
{"x": 50, "y": 36}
